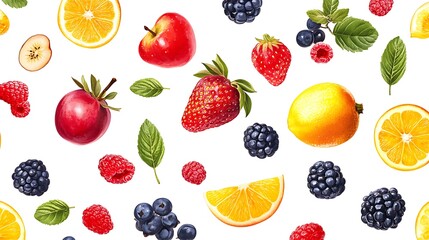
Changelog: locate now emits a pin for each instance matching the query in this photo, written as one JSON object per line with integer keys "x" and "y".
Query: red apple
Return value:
{"x": 170, "y": 43}
{"x": 83, "y": 116}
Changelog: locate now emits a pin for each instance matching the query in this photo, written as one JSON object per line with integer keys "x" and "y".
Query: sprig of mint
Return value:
{"x": 147, "y": 87}
{"x": 52, "y": 212}
{"x": 16, "y": 3}
{"x": 150, "y": 146}
{"x": 351, "y": 34}
{"x": 393, "y": 62}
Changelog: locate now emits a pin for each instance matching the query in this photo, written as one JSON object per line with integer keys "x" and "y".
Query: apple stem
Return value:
{"x": 107, "y": 87}
{"x": 148, "y": 29}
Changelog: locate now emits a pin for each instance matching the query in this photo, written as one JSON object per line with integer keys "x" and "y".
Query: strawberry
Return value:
{"x": 215, "y": 100}
{"x": 272, "y": 59}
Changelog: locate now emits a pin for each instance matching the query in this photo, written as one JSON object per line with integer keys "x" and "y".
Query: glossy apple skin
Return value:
{"x": 174, "y": 44}
{"x": 80, "y": 119}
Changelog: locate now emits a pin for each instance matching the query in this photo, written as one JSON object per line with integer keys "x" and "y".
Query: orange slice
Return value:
{"x": 11, "y": 224}
{"x": 89, "y": 23}
{"x": 402, "y": 137}
{"x": 422, "y": 223}
{"x": 419, "y": 27}
{"x": 4, "y": 23}
{"x": 246, "y": 204}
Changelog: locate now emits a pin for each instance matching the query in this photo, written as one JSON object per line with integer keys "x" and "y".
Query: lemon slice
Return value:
{"x": 11, "y": 224}
{"x": 420, "y": 22}
{"x": 422, "y": 223}
{"x": 89, "y": 23}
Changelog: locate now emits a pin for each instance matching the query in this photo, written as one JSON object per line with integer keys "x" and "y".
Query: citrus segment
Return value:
{"x": 89, "y": 23}
{"x": 11, "y": 224}
{"x": 4, "y": 23}
{"x": 422, "y": 223}
{"x": 246, "y": 204}
{"x": 402, "y": 137}
{"x": 420, "y": 22}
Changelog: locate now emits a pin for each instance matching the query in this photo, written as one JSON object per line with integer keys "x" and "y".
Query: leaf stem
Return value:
{"x": 156, "y": 176}
{"x": 327, "y": 27}
{"x": 390, "y": 89}
{"x": 71, "y": 207}
{"x": 107, "y": 87}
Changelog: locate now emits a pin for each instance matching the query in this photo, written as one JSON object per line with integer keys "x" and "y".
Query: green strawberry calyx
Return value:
{"x": 219, "y": 68}
{"x": 96, "y": 92}
{"x": 267, "y": 41}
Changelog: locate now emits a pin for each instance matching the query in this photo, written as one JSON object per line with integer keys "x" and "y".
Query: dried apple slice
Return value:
{"x": 35, "y": 53}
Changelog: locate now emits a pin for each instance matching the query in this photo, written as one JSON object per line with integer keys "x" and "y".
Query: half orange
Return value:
{"x": 246, "y": 204}
{"x": 401, "y": 137}
{"x": 11, "y": 224}
{"x": 89, "y": 23}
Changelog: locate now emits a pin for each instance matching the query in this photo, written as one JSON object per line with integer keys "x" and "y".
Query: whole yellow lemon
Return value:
{"x": 324, "y": 115}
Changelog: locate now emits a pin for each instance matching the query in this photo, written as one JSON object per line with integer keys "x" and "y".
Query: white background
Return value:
{"x": 73, "y": 170}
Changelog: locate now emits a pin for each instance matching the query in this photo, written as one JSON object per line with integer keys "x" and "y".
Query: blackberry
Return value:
{"x": 261, "y": 140}
{"x": 383, "y": 208}
{"x": 242, "y": 11}
{"x": 325, "y": 180}
{"x": 31, "y": 178}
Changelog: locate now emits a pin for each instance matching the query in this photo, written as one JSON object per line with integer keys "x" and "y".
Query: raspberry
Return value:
{"x": 20, "y": 109}
{"x": 309, "y": 231}
{"x": 380, "y": 7}
{"x": 116, "y": 169}
{"x": 194, "y": 172}
{"x": 14, "y": 92}
{"x": 97, "y": 219}
{"x": 321, "y": 52}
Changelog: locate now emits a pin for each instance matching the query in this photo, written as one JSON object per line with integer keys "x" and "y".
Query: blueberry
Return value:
{"x": 162, "y": 206}
{"x": 139, "y": 225}
{"x": 304, "y": 38}
{"x": 187, "y": 232}
{"x": 68, "y": 238}
{"x": 170, "y": 220}
{"x": 143, "y": 212}
{"x": 165, "y": 234}
{"x": 318, "y": 36}
{"x": 152, "y": 227}
{"x": 312, "y": 25}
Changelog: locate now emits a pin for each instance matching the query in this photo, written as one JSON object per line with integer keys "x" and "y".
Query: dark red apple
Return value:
{"x": 170, "y": 43}
{"x": 83, "y": 116}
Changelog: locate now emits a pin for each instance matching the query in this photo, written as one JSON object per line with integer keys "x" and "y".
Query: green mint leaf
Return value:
{"x": 147, "y": 87}
{"x": 330, "y": 6}
{"x": 318, "y": 16}
{"x": 339, "y": 15}
{"x": 150, "y": 145}
{"x": 354, "y": 35}
{"x": 52, "y": 212}
{"x": 16, "y": 3}
{"x": 393, "y": 61}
